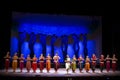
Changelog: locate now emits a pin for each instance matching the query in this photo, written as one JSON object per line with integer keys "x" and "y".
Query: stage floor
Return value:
{"x": 61, "y": 73}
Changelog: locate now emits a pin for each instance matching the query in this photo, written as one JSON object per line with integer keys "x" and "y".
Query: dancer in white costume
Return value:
{"x": 67, "y": 64}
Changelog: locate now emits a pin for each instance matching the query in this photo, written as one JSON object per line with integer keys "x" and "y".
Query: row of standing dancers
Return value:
{"x": 69, "y": 63}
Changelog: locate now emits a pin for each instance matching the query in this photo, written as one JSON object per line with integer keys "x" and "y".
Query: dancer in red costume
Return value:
{"x": 114, "y": 65}
{"x": 102, "y": 63}
{"x": 41, "y": 63}
{"x": 56, "y": 62}
{"x": 34, "y": 64}
{"x": 21, "y": 62}
{"x": 7, "y": 61}
{"x": 94, "y": 59}
{"x": 108, "y": 63}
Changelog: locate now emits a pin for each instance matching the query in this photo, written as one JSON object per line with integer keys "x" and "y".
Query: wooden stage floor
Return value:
{"x": 61, "y": 73}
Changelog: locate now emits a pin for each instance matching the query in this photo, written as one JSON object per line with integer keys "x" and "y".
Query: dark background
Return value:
{"x": 110, "y": 24}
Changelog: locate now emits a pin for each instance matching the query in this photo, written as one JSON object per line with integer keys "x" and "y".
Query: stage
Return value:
{"x": 60, "y": 74}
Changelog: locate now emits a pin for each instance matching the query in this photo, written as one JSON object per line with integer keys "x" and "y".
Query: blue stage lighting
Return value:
{"x": 37, "y": 49}
{"x": 14, "y": 46}
{"x": 25, "y": 49}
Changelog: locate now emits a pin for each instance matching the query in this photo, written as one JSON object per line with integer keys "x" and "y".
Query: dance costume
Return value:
{"x": 56, "y": 62}
{"x": 67, "y": 64}
{"x": 107, "y": 64}
{"x": 14, "y": 63}
{"x": 87, "y": 65}
{"x": 7, "y": 62}
{"x": 41, "y": 63}
{"x": 48, "y": 63}
{"x": 114, "y": 65}
{"x": 93, "y": 63}
{"x": 102, "y": 63}
{"x": 73, "y": 65}
{"x": 80, "y": 63}
{"x": 34, "y": 64}
{"x": 28, "y": 64}
{"x": 21, "y": 63}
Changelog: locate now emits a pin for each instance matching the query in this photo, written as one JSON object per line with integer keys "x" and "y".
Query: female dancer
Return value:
{"x": 87, "y": 64}
{"x": 56, "y": 62}
{"x": 7, "y": 61}
{"x": 67, "y": 64}
{"x": 108, "y": 63}
{"x": 102, "y": 62}
{"x": 14, "y": 62}
{"x": 28, "y": 63}
{"x": 21, "y": 62}
{"x": 34, "y": 63}
{"x": 48, "y": 63}
{"x": 114, "y": 65}
{"x": 41, "y": 63}
{"x": 94, "y": 59}
{"x": 73, "y": 65}
{"x": 80, "y": 63}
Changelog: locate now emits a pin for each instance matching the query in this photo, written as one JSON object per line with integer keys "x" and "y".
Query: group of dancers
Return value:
{"x": 69, "y": 63}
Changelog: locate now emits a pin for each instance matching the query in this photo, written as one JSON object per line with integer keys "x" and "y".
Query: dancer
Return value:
{"x": 108, "y": 63}
{"x": 67, "y": 64}
{"x": 73, "y": 65}
{"x": 14, "y": 62}
{"x": 48, "y": 63}
{"x": 114, "y": 65}
{"x": 34, "y": 63}
{"x": 21, "y": 62}
{"x": 41, "y": 63}
{"x": 7, "y": 61}
{"x": 56, "y": 62}
{"x": 80, "y": 63}
{"x": 102, "y": 62}
{"x": 94, "y": 59}
{"x": 87, "y": 64}
{"x": 28, "y": 63}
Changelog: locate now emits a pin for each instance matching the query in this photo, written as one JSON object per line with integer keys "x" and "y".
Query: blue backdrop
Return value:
{"x": 56, "y": 26}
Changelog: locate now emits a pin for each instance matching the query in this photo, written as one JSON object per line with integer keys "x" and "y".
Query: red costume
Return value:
{"x": 7, "y": 61}
{"x": 93, "y": 62}
{"x": 34, "y": 64}
{"x": 114, "y": 65}
{"x": 102, "y": 63}
{"x": 108, "y": 63}
{"x": 21, "y": 63}
{"x": 41, "y": 64}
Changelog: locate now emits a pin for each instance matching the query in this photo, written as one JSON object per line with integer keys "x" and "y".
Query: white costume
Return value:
{"x": 67, "y": 64}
